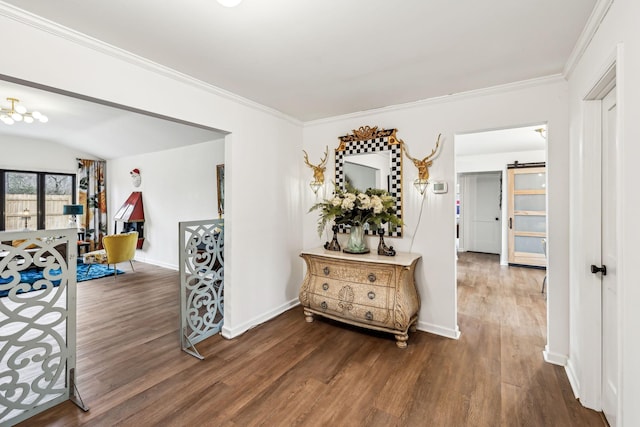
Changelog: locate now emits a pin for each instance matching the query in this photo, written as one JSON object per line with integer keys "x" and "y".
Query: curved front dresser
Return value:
{"x": 370, "y": 291}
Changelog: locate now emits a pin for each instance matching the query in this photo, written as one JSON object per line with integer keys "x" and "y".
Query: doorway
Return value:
{"x": 489, "y": 152}
{"x": 595, "y": 287}
{"x": 76, "y": 117}
{"x": 480, "y": 198}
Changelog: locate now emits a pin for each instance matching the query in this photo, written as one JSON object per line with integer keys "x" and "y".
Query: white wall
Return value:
{"x": 617, "y": 38}
{"x": 177, "y": 185}
{"x": 262, "y": 154}
{"x": 37, "y": 155}
{"x": 496, "y": 161}
{"x": 419, "y": 125}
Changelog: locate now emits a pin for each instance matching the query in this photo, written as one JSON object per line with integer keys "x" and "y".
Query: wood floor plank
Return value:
{"x": 287, "y": 372}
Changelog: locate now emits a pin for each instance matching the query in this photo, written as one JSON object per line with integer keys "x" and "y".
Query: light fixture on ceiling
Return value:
{"x": 542, "y": 132}
{"x": 229, "y": 3}
{"x": 18, "y": 113}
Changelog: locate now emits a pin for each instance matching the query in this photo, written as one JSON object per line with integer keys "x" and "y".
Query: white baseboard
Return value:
{"x": 244, "y": 327}
{"x": 573, "y": 379}
{"x": 230, "y": 333}
{"x": 555, "y": 358}
{"x": 158, "y": 263}
{"x": 439, "y": 330}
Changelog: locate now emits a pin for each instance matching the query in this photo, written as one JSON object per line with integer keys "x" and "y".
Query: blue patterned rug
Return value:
{"x": 31, "y": 276}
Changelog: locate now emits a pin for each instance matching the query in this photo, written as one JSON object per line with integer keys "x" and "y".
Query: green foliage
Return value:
{"x": 354, "y": 207}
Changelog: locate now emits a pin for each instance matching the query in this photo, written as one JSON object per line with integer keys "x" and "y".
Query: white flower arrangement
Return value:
{"x": 354, "y": 207}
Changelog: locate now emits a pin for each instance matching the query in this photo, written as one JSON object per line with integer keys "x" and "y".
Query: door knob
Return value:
{"x": 602, "y": 269}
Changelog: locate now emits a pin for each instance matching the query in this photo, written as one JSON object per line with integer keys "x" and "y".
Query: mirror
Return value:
{"x": 220, "y": 189}
{"x": 372, "y": 158}
{"x": 371, "y": 170}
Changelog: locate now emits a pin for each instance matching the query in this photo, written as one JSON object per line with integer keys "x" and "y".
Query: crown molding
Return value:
{"x": 55, "y": 29}
{"x": 590, "y": 29}
{"x": 476, "y": 93}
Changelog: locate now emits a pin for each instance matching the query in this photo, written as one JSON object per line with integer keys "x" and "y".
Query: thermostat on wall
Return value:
{"x": 439, "y": 187}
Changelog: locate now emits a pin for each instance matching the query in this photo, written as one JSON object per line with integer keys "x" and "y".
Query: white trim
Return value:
{"x": 55, "y": 29}
{"x": 588, "y": 32}
{"x": 570, "y": 370}
{"x": 258, "y": 320}
{"x": 620, "y": 209}
{"x": 439, "y": 330}
{"x": 156, "y": 263}
{"x": 607, "y": 79}
{"x": 476, "y": 93}
{"x": 590, "y": 353}
{"x": 554, "y": 358}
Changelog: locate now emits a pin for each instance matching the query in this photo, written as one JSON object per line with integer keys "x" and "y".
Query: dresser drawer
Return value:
{"x": 353, "y": 272}
{"x": 357, "y": 293}
{"x": 351, "y": 311}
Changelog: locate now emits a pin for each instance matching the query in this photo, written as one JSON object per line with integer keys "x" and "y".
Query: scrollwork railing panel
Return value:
{"x": 202, "y": 280}
{"x": 37, "y": 321}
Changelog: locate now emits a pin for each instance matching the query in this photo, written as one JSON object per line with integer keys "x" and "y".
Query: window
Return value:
{"x": 34, "y": 199}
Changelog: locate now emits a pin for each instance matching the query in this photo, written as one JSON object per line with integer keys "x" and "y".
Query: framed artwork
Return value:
{"x": 220, "y": 175}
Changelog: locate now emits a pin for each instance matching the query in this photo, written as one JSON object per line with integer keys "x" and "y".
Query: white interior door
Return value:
{"x": 483, "y": 212}
{"x": 609, "y": 259}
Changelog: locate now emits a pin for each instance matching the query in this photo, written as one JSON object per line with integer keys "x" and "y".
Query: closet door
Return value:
{"x": 527, "y": 215}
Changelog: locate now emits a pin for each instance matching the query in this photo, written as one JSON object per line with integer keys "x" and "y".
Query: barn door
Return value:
{"x": 527, "y": 211}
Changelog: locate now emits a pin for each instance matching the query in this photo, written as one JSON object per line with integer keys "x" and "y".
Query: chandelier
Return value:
{"x": 18, "y": 113}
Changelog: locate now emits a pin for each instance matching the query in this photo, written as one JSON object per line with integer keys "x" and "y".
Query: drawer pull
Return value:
{"x": 368, "y": 315}
{"x": 325, "y": 271}
{"x": 371, "y": 277}
{"x": 371, "y": 295}
{"x": 324, "y": 305}
{"x": 325, "y": 286}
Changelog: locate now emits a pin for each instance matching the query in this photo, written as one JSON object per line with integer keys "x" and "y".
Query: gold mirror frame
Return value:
{"x": 372, "y": 140}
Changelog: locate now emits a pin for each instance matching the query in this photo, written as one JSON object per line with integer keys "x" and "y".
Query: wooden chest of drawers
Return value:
{"x": 371, "y": 291}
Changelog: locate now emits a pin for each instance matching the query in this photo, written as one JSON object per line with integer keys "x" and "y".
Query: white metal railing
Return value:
{"x": 37, "y": 322}
{"x": 201, "y": 281}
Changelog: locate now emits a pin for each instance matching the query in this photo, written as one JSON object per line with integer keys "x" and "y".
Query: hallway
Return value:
{"x": 502, "y": 317}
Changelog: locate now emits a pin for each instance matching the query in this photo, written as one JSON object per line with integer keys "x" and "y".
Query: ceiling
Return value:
{"x": 102, "y": 131}
{"x": 314, "y": 59}
{"x": 501, "y": 141}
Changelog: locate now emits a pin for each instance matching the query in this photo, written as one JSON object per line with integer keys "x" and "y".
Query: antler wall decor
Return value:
{"x": 318, "y": 170}
{"x": 423, "y": 167}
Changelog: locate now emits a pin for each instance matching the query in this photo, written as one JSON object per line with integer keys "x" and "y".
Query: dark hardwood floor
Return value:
{"x": 288, "y": 372}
